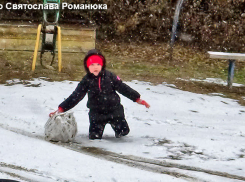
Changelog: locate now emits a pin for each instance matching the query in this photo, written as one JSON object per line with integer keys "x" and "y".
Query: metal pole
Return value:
{"x": 36, "y": 47}
{"x": 231, "y": 73}
{"x": 59, "y": 49}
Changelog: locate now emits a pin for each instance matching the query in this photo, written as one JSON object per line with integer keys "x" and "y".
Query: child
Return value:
{"x": 103, "y": 101}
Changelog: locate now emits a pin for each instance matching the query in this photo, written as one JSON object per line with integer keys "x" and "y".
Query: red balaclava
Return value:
{"x": 94, "y": 59}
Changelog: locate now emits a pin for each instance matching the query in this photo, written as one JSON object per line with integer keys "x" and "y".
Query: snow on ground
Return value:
{"x": 218, "y": 81}
{"x": 196, "y": 130}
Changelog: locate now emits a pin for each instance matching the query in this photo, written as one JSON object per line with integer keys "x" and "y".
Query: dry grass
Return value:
{"x": 145, "y": 62}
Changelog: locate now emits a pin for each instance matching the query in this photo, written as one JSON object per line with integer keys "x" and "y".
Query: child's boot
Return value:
{"x": 94, "y": 135}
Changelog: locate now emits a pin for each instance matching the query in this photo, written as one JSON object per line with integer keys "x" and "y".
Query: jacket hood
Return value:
{"x": 90, "y": 53}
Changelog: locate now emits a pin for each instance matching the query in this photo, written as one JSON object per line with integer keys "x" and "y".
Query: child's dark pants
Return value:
{"x": 115, "y": 118}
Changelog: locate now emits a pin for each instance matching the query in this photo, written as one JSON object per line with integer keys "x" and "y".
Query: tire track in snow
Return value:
{"x": 149, "y": 164}
{"x": 114, "y": 157}
{"x": 133, "y": 161}
{"x": 4, "y": 168}
{"x": 24, "y": 174}
{"x": 101, "y": 154}
{"x": 17, "y": 171}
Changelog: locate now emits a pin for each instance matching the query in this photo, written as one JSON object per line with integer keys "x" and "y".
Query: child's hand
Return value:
{"x": 53, "y": 113}
{"x": 60, "y": 110}
{"x": 142, "y": 102}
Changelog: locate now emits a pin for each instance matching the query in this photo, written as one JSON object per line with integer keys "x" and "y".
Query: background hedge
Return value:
{"x": 209, "y": 24}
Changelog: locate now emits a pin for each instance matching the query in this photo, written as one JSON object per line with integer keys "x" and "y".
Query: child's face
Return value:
{"x": 95, "y": 68}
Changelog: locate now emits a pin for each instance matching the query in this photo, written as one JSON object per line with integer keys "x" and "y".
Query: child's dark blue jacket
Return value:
{"x": 101, "y": 89}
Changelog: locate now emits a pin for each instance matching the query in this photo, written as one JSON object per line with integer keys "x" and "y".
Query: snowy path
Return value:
{"x": 182, "y": 137}
{"x": 171, "y": 169}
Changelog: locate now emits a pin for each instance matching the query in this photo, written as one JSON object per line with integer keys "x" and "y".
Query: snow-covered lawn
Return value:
{"x": 205, "y": 133}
